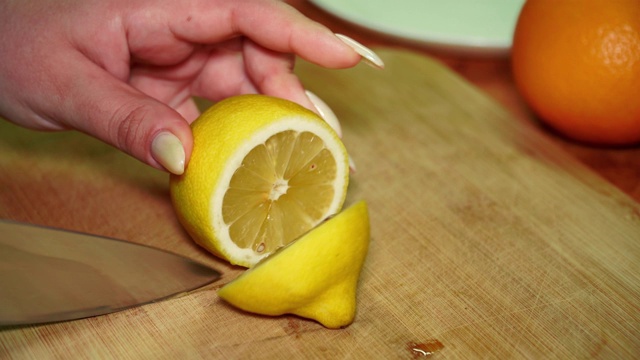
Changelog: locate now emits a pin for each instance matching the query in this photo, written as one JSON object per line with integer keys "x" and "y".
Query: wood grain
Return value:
{"x": 487, "y": 239}
{"x": 492, "y": 75}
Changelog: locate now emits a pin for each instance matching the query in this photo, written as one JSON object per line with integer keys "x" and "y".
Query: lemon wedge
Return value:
{"x": 315, "y": 277}
{"x": 262, "y": 172}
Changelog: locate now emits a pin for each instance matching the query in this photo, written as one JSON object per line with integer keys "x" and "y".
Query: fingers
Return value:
{"x": 110, "y": 110}
{"x": 274, "y": 33}
{"x": 272, "y": 73}
{"x": 224, "y": 73}
{"x": 271, "y": 24}
{"x": 171, "y": 85}
{"x": 188, "y": 109}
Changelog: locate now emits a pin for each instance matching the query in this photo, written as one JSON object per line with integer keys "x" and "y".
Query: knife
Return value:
{"x": 51, "y": 275}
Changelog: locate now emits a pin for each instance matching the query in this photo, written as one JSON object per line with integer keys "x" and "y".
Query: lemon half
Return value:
{"x": 262, "y": 172}
{"x": 315, "y": 277}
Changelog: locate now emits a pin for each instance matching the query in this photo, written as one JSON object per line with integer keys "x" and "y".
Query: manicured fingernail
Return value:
{"x": 167, "y": 149}
{"x": 325, "y": 112}
{"x": 367, "y": 54}
{"x": 352, "y": 166}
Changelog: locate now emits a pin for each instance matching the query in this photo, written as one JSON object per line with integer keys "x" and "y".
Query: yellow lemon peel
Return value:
{"x": 315, "y": 277}
{"x": 262, "y": 172}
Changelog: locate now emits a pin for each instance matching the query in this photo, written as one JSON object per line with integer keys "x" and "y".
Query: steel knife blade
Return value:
{"x": 51, "y": 275}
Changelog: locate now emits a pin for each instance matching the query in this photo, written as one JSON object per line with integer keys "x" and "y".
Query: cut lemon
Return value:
{"x": 262, "y": 172}
{"x": 315, "y": 277}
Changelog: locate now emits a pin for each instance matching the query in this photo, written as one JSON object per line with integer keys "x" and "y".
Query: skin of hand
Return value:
{"x": 125, "y": 71}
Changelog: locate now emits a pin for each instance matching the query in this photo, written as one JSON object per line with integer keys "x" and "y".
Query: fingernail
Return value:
{"x": 352, "y": 166}
{"x": 325, "y": 112}
{"x": 167, "y": 149}
{"x": 367, "y": 54}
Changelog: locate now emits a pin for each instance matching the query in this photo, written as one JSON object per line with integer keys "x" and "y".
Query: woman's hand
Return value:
{"x": 125, "y": 71}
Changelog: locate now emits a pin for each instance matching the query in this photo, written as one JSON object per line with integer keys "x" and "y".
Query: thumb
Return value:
{"x": 111, "y": 110}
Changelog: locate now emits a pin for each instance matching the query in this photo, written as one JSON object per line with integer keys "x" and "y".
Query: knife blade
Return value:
{"x": 51, "y": 275}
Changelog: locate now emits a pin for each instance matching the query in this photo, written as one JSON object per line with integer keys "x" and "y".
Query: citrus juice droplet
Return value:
{"x": 425, "y": 349}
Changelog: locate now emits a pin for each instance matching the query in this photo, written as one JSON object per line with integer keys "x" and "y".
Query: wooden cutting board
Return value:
{"x": 487, "y": 241}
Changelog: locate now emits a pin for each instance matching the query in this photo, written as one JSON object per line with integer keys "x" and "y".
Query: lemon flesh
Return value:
{"x": 315, "y": 277}
{"x": 262, "y": 172}
{"x": 281, "y": 189}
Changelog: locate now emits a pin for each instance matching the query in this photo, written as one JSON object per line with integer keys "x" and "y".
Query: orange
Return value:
{"x": 577, "y": 64}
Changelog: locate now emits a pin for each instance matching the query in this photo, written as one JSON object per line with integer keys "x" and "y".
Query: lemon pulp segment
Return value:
{"x": 282, "y": 189}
